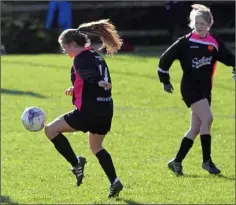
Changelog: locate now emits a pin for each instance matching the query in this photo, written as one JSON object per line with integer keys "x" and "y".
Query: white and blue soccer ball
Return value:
{"x": 33, "y": 119}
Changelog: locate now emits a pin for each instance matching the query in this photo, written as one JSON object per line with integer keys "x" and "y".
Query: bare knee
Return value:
{"x": 208, "y": 120}
{"x": 49, "y": 132}
{"x": 206, "y": 125}
{"x": 95, "y": 142}
{"x": 192, "y": 133}
{"x": 195, "y": 132}
{"x": 95, "y": 148}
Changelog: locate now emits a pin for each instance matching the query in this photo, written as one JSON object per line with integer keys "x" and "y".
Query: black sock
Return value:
{"x": 106, "y": 163}
{"x": 62, "y": 145}
{"x": 206, "y": 147}
{"x": 185, "y": 146}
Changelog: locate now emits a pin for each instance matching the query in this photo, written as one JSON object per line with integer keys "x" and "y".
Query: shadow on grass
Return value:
{"x": 225, "y": 177}
{"x": 127, "y": 201}
{"x": 6, "y": 200}
{"x": 20, "y": 92}
{"x": 154, "y": 76}
{"x": 151, "y": 76}
{"x": 209, "y": 176}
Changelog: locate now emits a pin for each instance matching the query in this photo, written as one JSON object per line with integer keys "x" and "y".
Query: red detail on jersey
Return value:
{"x": 213, "y": 72}
{"x": 78, "y": 89}
{"x": 85, "y": 49}
{"x": 88, "y": 48}
{"x": 210, "y": 48}
{"x": 79, "y": 84}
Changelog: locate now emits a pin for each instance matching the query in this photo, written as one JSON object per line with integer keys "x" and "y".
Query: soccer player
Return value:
{"x": 197, "y": 52}
{"x": 91, "y": 96}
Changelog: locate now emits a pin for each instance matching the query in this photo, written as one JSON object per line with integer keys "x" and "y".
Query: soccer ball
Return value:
{"x": 33, "y": 119}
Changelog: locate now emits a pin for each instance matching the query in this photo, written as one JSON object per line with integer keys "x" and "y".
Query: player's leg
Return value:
{"x": 202, "y": 109}
{"x": 105, "y": 160}
{"x": 54, "y": 130}
{"x": 176, "y": 164}
{"x": 195, "y": 125}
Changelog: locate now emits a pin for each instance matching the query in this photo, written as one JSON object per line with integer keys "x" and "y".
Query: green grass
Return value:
{"x": 148, "y": 125}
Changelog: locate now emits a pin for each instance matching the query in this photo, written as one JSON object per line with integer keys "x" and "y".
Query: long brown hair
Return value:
{"x": 104, "y": 29}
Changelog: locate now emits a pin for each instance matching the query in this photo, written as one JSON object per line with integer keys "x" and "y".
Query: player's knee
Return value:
{"x": 192, "y": 133}
{"x": 195, "y": 131}
{"x": 95, "y": 148}
{"x": 208, "y": 120}
{"x": 49, "y": 132}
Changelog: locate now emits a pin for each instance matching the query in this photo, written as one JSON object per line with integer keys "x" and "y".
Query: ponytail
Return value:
{"x": 106, "y": 31}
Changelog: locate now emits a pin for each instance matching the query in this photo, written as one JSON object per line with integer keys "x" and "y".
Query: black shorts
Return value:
{"x": 190, "y": 98}
{"x": 82, "y": 121}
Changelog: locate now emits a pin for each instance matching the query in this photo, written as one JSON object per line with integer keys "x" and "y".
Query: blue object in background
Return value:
{"x": 61, "y": 12}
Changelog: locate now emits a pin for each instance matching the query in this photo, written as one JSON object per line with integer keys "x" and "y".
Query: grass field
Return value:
{"x": 148, "y": 125}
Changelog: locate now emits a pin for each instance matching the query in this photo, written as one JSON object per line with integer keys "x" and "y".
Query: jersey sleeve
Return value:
{"x": 87, "y": 69}
{"x": 166, "y": 60}
{"x": 224, "y": 55}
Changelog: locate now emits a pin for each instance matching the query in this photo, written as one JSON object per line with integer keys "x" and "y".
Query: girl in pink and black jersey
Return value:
{"x": 91, "y": 95}
{"x": 198, "y": 53}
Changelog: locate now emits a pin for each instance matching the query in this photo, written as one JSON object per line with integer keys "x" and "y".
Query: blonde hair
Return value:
{"x": 203, "y": 11}
{"x": 106, "y": 31}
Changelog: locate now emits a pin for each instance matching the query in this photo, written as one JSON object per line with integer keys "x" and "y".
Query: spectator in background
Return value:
{"x": 59, "y": 15}
{"x": 59, "y": 18}
{"x": 3, "y": 50}
{"x": 176, "y": 12}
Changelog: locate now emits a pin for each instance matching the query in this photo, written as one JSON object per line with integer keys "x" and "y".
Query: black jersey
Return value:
{"x": 198, "y": 58}
{"x": 87, "y": 70}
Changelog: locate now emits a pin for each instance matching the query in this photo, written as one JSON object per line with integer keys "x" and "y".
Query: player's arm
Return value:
{"x": 86, "y": 68}
{"x": 166, "y": 60}
{"x": 225, "y": 56}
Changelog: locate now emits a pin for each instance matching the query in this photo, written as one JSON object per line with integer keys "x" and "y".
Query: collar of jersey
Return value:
{"x": 195, "y": 33}
{"x": 85, "y": 49}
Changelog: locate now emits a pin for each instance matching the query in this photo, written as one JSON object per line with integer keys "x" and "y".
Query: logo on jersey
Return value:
{"x": 210, "y": 48}
{"x": 102, "y": 67}
{"x": 197, "y": 63}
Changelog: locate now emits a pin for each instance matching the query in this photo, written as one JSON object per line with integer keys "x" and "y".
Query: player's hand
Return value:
{"x": 168, "y": 88}
{"x": 234, "y": 77}
{"x": 104, "y": 84}
{"x": 69, "y": 91}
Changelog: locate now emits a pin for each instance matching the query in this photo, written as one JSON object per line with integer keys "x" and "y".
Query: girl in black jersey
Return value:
{"x": 197, "y": 53}
{"x": 91, "y": 96}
